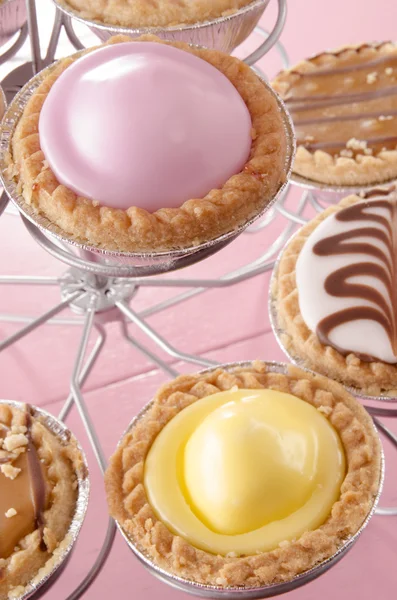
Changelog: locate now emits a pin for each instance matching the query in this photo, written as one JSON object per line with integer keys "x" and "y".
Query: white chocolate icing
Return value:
{"x": 363, "y": 336}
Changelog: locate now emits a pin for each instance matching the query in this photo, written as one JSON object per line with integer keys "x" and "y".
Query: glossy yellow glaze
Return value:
{"x": 241, "y": 471}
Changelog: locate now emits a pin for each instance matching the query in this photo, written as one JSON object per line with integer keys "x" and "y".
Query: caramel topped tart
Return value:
{"x": 23, "y": 489}
{"x": 344, "y": 108}
{"x": 40, "y": 470}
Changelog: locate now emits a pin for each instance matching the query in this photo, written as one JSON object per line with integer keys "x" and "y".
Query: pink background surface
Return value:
{"x": 225, "y": 325}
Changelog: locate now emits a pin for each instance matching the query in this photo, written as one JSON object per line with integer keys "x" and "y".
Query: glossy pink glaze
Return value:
{"x": 144, "y": 124}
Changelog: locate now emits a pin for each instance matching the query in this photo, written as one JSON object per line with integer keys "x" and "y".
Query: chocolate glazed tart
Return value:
{"x": 374, "y": 242}
{"x": 42, "y": 508}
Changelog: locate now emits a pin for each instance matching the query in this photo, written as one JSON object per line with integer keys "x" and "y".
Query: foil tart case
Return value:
{"x": 238, "y": 593}
{"x": 141, "y": 263}
{"x": 296, "y": 360}
{"x": 59, "y": 559}
{"x": 332, "y": 194}
{"x": 224, "y": 33}
{"x": 12, "y": 18}
{"x": 3, "y": 102}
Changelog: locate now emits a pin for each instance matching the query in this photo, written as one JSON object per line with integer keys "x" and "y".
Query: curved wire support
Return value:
{"x": 386, "y": 512}
{"x": 16, "y": 46}
{"x": 278, "y": 46}
{"x": 272, "y": 38}
{"x": 72, "y": 37}
{"x": 315, "y": 203}
{"x": 299, "y": 220}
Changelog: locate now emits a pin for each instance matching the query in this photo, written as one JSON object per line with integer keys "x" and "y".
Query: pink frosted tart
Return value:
{"x": 148, "y": 146}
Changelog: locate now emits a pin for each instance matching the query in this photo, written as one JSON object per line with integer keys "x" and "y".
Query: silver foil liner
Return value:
{"x": 145, "y": 263}
{"x": 279, "y": 333}
{"x": 12, "y": 18}
{"x": 224, "y": 33}
{"x": 59, "y": 558}
{"x": 332, "y": 194}
{"x": 3, "y": 103}
{"x": 238, "y": 593}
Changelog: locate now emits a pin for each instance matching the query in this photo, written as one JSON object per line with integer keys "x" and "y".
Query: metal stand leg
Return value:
{"x": 155, "y": 359}
{"x": 85, "y": 371}
{"x": 160, "y": 341}
{"x": 37, "y": 322}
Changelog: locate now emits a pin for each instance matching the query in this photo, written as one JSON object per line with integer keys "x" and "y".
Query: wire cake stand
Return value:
{"x": 99, "y": 292}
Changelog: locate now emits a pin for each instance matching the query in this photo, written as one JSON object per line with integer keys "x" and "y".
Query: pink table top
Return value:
{"x": 224, "y": 325}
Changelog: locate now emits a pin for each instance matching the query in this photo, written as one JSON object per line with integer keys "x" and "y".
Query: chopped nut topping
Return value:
{"x": 231, "y": 555}
{"x": 309, "y": 138}
{"x": 11, "y": 513}
{"x": 389, "y": 71}
{"x": 10, "y": 471}
{"x": 372, "y": 77}
{"x": 356, "y": 144}
{"x": 346, "y": 153}
{"x": 15, "y": 440}
{"x": 19, "y": 429}
{"x": 368, "y": 151}
{"x": 326, "y": 410}
{"x": 386, "y": 117}
{"x": 284, "y": 544}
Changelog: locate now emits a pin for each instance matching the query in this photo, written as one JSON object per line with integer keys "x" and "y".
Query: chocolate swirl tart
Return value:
{"x": 334, "y": 293}
{"x": 40, "y": 471}
{"x": 344, "y": 107}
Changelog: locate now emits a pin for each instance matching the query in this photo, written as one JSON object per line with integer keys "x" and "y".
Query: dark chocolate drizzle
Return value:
{"x": 338, "y": 283}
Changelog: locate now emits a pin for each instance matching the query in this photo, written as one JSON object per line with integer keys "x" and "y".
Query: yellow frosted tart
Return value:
{"x": 245, "y": 478}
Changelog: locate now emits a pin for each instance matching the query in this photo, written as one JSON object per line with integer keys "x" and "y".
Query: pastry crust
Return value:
{"x": 153, "y": 13}
{"x": 371, "y": 378}
{"x": 34, "y": 553}
{"x": 136, "y": 230}
{"x": 354, "y": 165}
{"x": 128, "y": 502}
